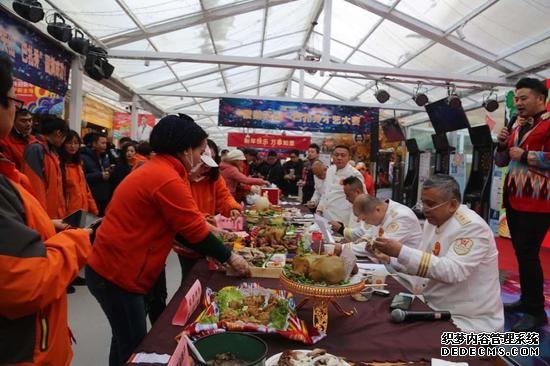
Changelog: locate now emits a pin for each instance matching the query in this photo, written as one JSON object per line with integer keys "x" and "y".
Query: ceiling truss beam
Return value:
{"x": 301, "y": 64}
{"x": 189, "y": 20}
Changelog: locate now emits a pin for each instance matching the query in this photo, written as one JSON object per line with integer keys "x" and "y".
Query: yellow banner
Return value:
{"x": 97, "y": 113}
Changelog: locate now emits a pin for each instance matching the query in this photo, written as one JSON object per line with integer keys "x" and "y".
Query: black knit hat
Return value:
{"x": 174, "y": 134}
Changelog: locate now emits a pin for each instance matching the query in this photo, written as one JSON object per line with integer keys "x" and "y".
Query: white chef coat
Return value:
{"x": 319, "y": 190}
{"x": 460, "y": 263}
{"x": 333, "y": 203}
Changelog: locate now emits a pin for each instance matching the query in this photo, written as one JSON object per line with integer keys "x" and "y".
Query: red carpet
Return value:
{"x": 507, "y": 258}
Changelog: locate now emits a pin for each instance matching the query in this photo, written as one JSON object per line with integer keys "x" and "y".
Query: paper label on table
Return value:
{"x": 188, "y": 304}
{"x": 143, "y": 357}
{"x": 180, "y": 357}
{"x": 227, "y": 223}
{"x": 324, "y": 226}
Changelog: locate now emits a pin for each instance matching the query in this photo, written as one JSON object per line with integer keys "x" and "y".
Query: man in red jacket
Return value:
{"x": 525, "y": 149}
{"x": 13, "y": 146}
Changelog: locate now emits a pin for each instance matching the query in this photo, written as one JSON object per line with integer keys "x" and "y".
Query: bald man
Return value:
{"x": 319, "y": 170}
{"x": 391, "y": 220}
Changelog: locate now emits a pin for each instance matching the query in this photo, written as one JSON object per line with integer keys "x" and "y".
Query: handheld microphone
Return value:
{"x": 399, "y": 316}
{"x": 511, "y": 122}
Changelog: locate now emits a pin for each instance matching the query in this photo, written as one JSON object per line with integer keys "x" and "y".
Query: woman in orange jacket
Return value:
{"x": 211, "y": 196}
{"x": 41, "y": 165}
{"x": 36, "y": 264}
{"x": 77, "y": 193}
{"x": 149, "y": 207}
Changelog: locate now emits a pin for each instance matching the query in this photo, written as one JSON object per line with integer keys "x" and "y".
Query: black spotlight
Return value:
{"x": 420, "y": 99}
{"x": 78, "y": 43}
{"x": 60, "y": 30}
{"x": 96, "y": 65}
{"x": 30, "y": 10}
{"x": 490, "y": 104}
{"x": 382, "y": 96}
{"x": 454, "y": 101}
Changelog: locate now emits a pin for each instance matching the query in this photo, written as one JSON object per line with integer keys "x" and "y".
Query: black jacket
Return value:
{"x": 94, "y": 167}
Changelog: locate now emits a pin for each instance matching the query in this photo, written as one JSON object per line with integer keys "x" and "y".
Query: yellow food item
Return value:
{"x": 320, "y": 268}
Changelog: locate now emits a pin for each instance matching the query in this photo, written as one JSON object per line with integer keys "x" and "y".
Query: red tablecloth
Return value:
{"x": 368, "y": 336}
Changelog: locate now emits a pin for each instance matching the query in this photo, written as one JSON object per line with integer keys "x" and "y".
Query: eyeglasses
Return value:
{"x": 424, "y": 207}
{"x": 18, "y": 103}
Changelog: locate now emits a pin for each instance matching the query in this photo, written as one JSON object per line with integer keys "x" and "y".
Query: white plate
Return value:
{"x": 273, "y": 360}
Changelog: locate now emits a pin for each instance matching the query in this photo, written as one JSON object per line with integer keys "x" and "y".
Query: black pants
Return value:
{"x": 528, "y": 230}
{"x": 155, "y": 300}
{"x": 186, "y": 264}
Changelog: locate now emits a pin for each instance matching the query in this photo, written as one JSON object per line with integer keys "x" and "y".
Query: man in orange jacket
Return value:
{"x": 41, "y": 165}
{"x": 36, "y": 264}
{"x": 13, "y": 146}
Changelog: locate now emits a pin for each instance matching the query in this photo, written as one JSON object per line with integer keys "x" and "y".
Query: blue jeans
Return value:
{"x": 125, "y": 312}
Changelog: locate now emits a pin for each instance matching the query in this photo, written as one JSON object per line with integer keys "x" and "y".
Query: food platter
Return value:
{"x": 331, "y": 359}
{"x": 355, "y": 285}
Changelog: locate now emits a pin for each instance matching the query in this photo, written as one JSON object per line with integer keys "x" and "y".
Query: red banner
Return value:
{"x": 267, "y": 141}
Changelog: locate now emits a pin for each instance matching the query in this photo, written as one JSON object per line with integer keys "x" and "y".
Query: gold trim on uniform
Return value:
{"x": 424, "y": 264}
{"x": 462, "y": 219}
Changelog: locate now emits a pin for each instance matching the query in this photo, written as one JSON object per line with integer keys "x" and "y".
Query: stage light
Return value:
{"x": 59, "y": 29}
{"x": 454, "y": 101}
{"x": 382, "y": 96}
{"x": 30, "y": 10}
{"x": 420, "y": 99}
{"x": 78, "y": 43}
{"x": 490, "y": 103}
{"x": 96, "y": 65}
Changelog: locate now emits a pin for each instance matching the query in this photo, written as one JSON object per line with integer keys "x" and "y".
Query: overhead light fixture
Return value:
{"x": 490, "y": 103}
{"x": 453, "y": 98}
{"x": 96, "y": 65}
{"x": 78, "y": 43}
{"x": 147, "y": 63}
{"x": 30, "y": 10}
{"x": 419, "y": 97}
{"x": 60, "y": 30}
{"x": 312, "y": 58}
{"x": 381, "y": 95}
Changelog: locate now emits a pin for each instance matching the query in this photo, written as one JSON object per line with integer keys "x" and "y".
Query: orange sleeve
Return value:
{"x": 225, "y": 202}
{"x": 179, "y": 209}
{"x": 92, "y": 207}
{"x": 31, "y": 281}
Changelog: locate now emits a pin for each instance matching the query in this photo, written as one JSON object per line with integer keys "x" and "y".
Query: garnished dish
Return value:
{"x": 315, "y": 357}
{"x": 317, "y": 270}
{"x": 226, "y": 359}
{"x": 251, "y": 308}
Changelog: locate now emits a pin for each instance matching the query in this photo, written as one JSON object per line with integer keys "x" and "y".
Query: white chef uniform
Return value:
{"x": 333, "y": 203}
{"x": 319, "y": 190}
{"x": 460, "y": 262}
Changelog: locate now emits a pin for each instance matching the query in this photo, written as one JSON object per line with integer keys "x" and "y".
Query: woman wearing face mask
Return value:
{"x": 77, "y": 192}
{"x": 212, "y": 197}
{"x": 147, "y": 210}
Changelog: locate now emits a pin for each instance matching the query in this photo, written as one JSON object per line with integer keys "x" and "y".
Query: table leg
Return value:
{"x": 320, "y": 315}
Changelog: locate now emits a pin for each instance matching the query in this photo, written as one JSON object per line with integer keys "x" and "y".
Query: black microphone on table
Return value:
{"x": 399, "y": 316}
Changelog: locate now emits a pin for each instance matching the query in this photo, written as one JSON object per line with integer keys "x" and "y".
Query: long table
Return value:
{"x": 366, "y": 337}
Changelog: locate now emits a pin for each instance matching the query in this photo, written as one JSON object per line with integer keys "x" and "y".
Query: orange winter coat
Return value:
{"x": 149, "y": 207}
{"x": 36, "y": 266}
{"x": 41, "y": 166}
{"x": 213, "y": 197}
{"x": 77, "y": 192}
{"x": 13, "y": 146}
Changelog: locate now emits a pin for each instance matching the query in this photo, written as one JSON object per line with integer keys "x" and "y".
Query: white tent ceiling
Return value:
{"x": 200, "y": 49}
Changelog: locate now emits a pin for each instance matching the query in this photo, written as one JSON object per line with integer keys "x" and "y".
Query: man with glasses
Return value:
{"x": 13, "y": 146}
{"x": 458, "y": 259}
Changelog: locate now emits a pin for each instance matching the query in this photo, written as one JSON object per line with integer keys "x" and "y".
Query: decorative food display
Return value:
{"x": 273, "y": 239}
{"x": 317, "y": 269}
{"x": 315, "y": 357}
{"x": 253, "y": 308}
